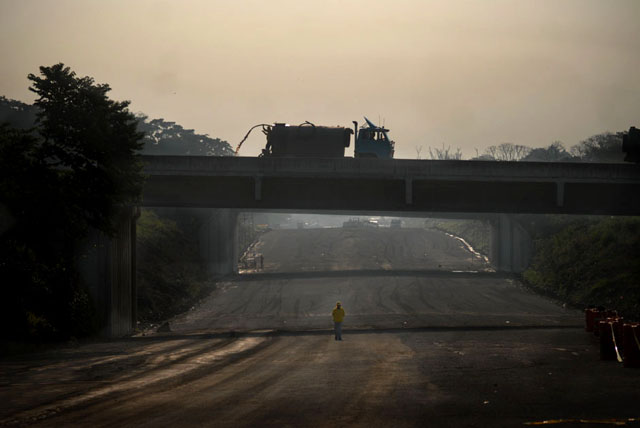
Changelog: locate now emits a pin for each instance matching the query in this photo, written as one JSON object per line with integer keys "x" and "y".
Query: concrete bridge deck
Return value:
{"x": 349, "y": 184}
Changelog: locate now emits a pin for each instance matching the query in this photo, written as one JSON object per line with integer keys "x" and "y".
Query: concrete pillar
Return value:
{"x": 511, "y": 245}
{"x": 106, "y": 265}
{"x": 219, "y": 241}
{"x": 134, "y": 268}
{"x": 501, "y": 243}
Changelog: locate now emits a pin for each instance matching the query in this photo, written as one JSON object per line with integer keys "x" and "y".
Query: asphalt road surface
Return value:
{"x": 432, "y": 338}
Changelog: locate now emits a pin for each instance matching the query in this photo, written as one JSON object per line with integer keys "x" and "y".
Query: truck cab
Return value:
{"x": 372, "y": 141}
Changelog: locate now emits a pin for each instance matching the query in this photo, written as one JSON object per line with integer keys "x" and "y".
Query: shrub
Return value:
{"x": 591, "y": 263}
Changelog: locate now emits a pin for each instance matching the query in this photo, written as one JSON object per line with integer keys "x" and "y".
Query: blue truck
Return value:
{"x": 372, "y": 141}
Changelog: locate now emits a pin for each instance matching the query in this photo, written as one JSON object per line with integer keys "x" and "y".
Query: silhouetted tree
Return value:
{"x": 605, "y": 147}
{"x": 482, "y": 157}
{"x": 169, "y": 138}
{"x": 17, "y": 114}
{"x": 508, "y": 152}
{"x": 418, "y": 150}
{"x": 555, "y": 152}
{"x": 91, "y": 140}
{"x": 444, "y": 153}
{"x": 36, "y": 240}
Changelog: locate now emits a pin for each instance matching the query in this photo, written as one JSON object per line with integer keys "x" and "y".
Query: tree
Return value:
{"x": 555, "y": 152}
{"x": 418, "y": 150}
{"x": 483, "y": 157}
{"x": 91, "y": 140}
{"x": 72, "y": 171}
{"x": 605, "y": 147}
{"x": 35, "y": 243}
{"x": 445, "y": 153}
{"x": 17, "y": 114}
{"x": 169, "y": 138}
{"x": 508, "y": 152}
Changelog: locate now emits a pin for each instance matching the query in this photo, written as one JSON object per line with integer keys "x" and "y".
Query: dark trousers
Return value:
{"x": 338, "y": 329}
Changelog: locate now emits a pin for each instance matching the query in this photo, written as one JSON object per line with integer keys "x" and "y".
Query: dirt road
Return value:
{"x": 423, "y": 346}
{"x": 364, "y": 249}
{"x": 386, "y": 278}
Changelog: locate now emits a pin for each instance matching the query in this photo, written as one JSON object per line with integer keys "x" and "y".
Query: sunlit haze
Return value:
{"x": 465, "y": 74}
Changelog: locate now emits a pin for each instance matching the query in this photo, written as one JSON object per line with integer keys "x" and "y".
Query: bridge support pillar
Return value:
{"x": 511, "y": 245}
{"x": 107, "y": 266}
{"x": 219, "y": 243}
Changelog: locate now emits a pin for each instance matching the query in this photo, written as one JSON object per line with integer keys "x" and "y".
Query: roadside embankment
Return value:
{"x": 595, "y": 263}
{"x": 580, "y": 260}
{"x": 476, "y": 232}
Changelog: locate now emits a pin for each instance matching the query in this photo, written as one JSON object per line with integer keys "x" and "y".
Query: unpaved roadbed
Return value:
{"x": 427, "y": 347}
{"x": 375, "y": 378}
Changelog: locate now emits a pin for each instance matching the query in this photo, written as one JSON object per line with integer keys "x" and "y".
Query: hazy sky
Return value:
{"x": 468, "y": 74}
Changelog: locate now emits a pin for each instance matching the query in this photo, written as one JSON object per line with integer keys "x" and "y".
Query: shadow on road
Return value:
{"x": 347, "y": 331}
{"x": 262, "y": 276}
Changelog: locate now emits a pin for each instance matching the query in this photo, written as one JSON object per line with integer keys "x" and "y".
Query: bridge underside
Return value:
{"x": 348, "y": 184}
{"x": 370, "y": 194}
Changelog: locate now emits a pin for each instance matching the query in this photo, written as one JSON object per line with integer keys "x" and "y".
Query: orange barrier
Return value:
{"x": 590, "y": 315}
{"x": 631, "y": 344}
{"x": 602, "y": 315}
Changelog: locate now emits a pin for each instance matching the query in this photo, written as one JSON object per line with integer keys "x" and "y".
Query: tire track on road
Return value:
{"x": 191, "y": 365}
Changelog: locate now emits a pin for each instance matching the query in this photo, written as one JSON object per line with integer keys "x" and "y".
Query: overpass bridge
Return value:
{"x": 228, "y": 185}
{"x": 356, "y": 184}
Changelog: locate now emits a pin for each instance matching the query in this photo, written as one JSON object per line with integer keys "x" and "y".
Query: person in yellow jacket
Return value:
{"x": 338, "y": 317}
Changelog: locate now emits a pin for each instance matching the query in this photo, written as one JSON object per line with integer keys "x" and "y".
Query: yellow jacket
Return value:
{"x": 338, "y": 314}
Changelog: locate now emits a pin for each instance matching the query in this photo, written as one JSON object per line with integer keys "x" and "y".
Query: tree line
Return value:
{"x": 604, "y": 147}
{"x": 160, "y": 137}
